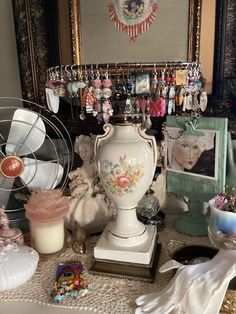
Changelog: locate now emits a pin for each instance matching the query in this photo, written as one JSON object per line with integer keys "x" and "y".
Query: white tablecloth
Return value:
{"x": 106, "y": 295}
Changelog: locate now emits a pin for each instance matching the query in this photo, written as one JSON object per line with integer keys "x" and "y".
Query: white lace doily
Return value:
{"x": 106, "y": 294}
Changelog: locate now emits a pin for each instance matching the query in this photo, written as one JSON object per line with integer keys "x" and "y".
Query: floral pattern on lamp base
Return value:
{"x": 121, "y": 177}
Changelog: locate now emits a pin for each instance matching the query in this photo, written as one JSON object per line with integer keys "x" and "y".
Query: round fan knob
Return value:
{"x": 11, "y": 166}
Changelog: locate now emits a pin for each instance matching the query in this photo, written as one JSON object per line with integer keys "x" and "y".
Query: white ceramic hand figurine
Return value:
{"x": 194, "y": 288}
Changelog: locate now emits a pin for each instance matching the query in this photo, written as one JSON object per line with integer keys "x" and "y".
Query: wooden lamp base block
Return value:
{"x": 134, "y": 271}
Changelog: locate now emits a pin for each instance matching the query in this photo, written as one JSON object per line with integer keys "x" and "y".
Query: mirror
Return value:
{"x": 43, "y": 48}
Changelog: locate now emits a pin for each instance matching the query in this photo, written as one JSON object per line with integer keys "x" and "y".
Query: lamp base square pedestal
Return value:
{"x": 126, "y": 252}
{"x": 130, "y": 265}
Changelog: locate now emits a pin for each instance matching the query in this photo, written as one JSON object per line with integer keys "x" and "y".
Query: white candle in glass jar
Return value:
{"x": 47, "y": 237}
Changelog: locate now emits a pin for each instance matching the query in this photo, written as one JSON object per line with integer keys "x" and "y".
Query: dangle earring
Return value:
{"x": 106, "y": 94}
{"x": 70, "y": 81}
{"x": 148, "y": 123}
{"x": 185, "y": 81}
{"x": 189, "y": 105}
{"x": 59, "y": 83}
{"x": 163, "y": 90}
{"x": 128, "y": 88}
{"x": 69, "y": 89}
{"x": 167, "y": 76}
{"x": 143, "y": 106}
{"x": 87, "y": 97}
{"x": 119, "y": 90}
{"x": 190, "y": 88}
{"x": 50, "y": 79}
{"x": 202, "y": 94}
{"x": 136, "y": 109}
{"x": 157, "y": 104}
{"x": 73, "y": 88}
{"x": 185, "y": 101}
{"x": 69, "y": 84}
{"x": 81, "y": 85}
{"x": 180, "y": 96}
{"x": 97, "y": 94}
{"x": 197, "y": 76}
{"x": 203, "y": 100}
{"x": 171, "y": 101}
{"x": 154, "y": 86}
{"x": 61, "y": 91}
{"x": 75, "y": 91}
{"x": 155, "y": 95}
{"x": 52, "y": 97}
{"x": 196, "y": 88}
{"x": 128, "y": 85}
{"x": 74, "y": 82}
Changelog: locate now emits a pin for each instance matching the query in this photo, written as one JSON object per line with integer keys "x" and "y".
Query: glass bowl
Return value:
{"x": 222, "y": 228}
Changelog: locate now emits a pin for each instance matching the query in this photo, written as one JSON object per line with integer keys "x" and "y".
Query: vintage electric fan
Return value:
{"x": 35, "y": 154}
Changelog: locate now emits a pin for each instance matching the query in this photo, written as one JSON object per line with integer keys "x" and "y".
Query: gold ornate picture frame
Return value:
{"x": 40, "y": 46}
{"x": 80, "y": 43}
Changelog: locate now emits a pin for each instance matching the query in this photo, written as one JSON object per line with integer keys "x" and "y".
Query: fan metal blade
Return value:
{"x": 41, "y": 175}
{"x": 5, "y": 190}
{"x": 27, "y": 133}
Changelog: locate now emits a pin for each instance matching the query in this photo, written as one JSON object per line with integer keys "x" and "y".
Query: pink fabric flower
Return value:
{"x": 46, "y": 205}
{"x": 220, "y": 201}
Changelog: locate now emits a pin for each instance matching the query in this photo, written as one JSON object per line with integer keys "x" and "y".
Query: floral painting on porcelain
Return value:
{"x": 121, "y": 178}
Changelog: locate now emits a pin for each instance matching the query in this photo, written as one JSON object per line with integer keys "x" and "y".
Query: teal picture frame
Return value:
{"x": 200, "y": 186}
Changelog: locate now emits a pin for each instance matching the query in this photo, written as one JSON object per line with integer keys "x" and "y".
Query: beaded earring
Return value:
{"x": 87, "y": 100}
{"x": 164, "y": 88}
{"x": 169, "y": 91}
{"x": 74, "y": 90}
{"x": 69, "y": 84}
{"x": 148, "y": 122}
{"x": 127, "y": 89}
{"x": 58, "y": 85}
{"x": 50, "y": 79}
{"x": 171, "y": 101}
{"x": 81, "y": 85}
{"x": 106, "y": 94}
{"x": 97, "y": 94}
{"x": 74, "y": 83}
{"x": 119, "y": 94}
{"x": 155, "y": 96}
{"x": 89, "y": 94}
{"x": 119, "y": 88}
{"x": 154, "y": 85}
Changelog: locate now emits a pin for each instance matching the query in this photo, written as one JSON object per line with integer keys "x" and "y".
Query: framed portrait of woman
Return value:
{"x": 196, "y": 155}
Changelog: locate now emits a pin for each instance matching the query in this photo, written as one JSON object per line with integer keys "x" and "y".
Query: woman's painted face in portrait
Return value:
{"x": 85, "y": 152}
{"x": 186, "y": 152}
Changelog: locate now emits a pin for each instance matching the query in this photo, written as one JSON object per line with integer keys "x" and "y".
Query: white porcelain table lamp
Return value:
{"x": 126, "y": 158}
